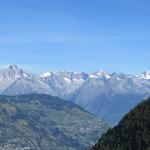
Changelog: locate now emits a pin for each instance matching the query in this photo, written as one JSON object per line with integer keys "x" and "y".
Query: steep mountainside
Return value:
{"x": 112, "y": 97}
{"x": 132, "y": 133}
{"x": 108, "y": 96}
{"x": 42, "y": 122}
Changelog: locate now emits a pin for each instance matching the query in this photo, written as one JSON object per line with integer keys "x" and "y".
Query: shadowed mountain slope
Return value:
{"x": 132, "y": 133}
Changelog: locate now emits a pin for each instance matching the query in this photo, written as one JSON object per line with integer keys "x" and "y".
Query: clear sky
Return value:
{"x": 79, "y": 35}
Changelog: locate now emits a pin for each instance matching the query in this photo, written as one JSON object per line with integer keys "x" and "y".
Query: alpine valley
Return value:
{"x": 108, "y": 96}
{"x": 43, "y": 122}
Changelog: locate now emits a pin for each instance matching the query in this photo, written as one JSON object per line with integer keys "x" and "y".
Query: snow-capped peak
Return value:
{"x": 12, "y": 71}
{"x": 144, "y": 75}
{"x": 100, "y": 73}
{"x": 12, "y": 67}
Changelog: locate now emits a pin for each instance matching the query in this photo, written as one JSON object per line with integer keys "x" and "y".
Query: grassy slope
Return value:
{"x": 43, "y": 122}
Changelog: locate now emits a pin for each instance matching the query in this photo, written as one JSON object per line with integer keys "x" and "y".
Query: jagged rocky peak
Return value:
{"x": 101, "y": 73}
{"x": 11, "y": 71}
{"x": 66, "y": 74}
{"x": 144, "y": 75}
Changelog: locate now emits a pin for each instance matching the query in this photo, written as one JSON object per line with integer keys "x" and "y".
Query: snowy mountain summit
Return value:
{"x": 12, "y": 71}
{"x": 144, "y": 75}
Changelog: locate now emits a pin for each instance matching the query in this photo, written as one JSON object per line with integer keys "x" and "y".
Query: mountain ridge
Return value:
{"x": 99, "y": 92}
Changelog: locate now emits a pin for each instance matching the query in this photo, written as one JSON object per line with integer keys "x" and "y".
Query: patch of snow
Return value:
{"x": 45, "y": 74}
{"x": 145, "y": 75}
{"x": 67, "y": 80}
{"x": 107, "y": 76}
{"x": 25, "y": 75}
{"x": 102, "y": 73}
{"x": 78, "y": 80}
{"x": 17, "y": 76}
{"x": 93, "y": 76}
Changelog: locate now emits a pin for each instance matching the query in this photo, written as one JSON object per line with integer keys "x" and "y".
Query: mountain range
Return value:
{"x": 107, "y": 95}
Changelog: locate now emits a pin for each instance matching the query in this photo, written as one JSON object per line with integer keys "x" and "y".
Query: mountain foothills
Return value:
{"x": 43, "y": 122}
{"x": 108, "y": 96}
{"x": 132, "y": 133}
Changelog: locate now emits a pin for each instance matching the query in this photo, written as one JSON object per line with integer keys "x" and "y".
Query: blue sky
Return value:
{"x": 79, "y": 35}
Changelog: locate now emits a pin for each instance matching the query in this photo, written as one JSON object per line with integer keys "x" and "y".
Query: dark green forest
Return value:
{"x": 132, "y": 133}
